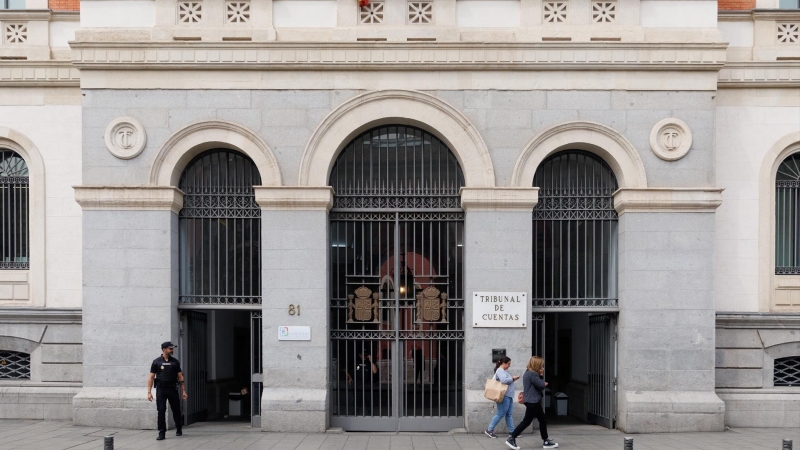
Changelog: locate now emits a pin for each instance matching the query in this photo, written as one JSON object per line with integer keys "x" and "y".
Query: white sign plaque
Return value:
{"x": 500, "y": 309}
{"x": 294, "y": 333}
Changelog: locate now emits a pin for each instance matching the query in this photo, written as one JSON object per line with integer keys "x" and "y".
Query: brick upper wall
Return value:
{"x": 64, "y": 5}
{"x": 736, "y": 5}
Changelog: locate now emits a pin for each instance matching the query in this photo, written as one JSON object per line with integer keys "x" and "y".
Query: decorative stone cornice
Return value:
{"x": 667, "y": 200}
{"x": 758, "y": 320}
{"x": 39, "y": 73}
{"x": 499, "y": 198}
{"x": 776, "y": 14}
{"x": 766, "y": 74}
{"x": 397, "y": 56}
{"x": 294, "y": 198}
{"x": 41, "y": 315}
{"x": 139, "y": 198}
{"x": 25, "y": 14}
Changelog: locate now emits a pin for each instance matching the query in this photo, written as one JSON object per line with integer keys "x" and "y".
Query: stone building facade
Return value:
{"x": 680, "y": 314}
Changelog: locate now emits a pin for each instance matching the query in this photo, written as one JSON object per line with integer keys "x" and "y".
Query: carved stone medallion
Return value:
{"x": 125, "y": 137}
{"x": 670, "y": 139}
{"x": 363, "y": 306}
{"x": 431, "y": 305}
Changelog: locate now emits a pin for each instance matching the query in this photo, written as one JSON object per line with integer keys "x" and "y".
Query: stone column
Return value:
{"x": 294, "y": 256}
{"x": 666, "y": 318}
{"x": 130, "y": 296}
{"x": 497, "y": 251}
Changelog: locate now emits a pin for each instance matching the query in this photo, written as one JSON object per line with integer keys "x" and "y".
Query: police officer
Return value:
{"x": 166, "y": 371}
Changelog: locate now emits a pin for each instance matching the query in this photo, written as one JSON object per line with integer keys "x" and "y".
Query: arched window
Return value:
{"x": 220, "y": 231}
{"x": 575, "y": 232}
{"x": 787, "y": 202}
{"x": 14, "y": 365}
{"x": 787, "y": 371}
{"x": 14, "y": 232}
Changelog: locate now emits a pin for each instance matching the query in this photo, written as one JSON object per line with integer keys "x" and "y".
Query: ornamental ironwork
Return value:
{"x": 787, "y": 225}
{"x": 220, "y": 231}
{"x": 14, "y": 365}
{"x": 574, "y": 233}
{"x": 14, "y": 204}
{"x": 787, "y": 371}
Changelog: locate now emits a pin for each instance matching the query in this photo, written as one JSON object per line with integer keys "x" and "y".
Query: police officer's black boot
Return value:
{"x": 179, "y": 432}
{"x": 160, "y": 437}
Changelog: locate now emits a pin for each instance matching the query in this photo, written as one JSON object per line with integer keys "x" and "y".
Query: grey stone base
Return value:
{"x": 479, "y": 412}
{"x": 115, "y": 407}
{"x": 757, "y": 408}
{"x": 670, "y": 412}
{"x": 37, "y": 401}
{"x": 294, "y": 410}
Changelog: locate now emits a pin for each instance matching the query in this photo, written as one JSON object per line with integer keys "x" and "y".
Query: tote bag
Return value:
{"x": 495, "y": 390}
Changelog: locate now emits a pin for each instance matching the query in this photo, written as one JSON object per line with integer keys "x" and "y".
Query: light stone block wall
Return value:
{"x": 130, "y": 296}
{"x": 51, "y": 119}
{"x": 294, "y": 258}
{"x": 749, "y": 123}
{"x": 497, "y": 257}
{"x": 666, "y": 323}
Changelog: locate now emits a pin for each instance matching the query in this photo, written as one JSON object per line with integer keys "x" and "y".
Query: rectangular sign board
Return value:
{"x": 500, "y": 309}
{"x": 294, "y": 333}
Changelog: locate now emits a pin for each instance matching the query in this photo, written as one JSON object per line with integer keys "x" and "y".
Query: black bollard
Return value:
{"x": 108, "y": 443}
{"x": 628, "y": 443}
{"x": 787, "y": 444}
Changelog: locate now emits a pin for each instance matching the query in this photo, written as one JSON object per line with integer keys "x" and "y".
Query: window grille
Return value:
{"x": 575, "y": 232}
{"x": 787, "y": 371}
{"x": 220, "y": 231}
{"x": 14, "y": 365}
{"x": 787, "y": 208}
{"x": 14, "y": 199}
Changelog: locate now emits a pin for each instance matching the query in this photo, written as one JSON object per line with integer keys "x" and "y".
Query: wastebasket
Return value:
{"x": 547, "y": 397}
{"x": 234, "y": 403}
{"x": 562, "y": 404}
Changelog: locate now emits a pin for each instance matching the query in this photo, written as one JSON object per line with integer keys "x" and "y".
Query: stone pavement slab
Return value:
{"x": 59, "y": 435}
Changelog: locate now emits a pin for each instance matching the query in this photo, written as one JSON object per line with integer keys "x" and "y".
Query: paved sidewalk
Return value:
{"x": 51, "y": 435}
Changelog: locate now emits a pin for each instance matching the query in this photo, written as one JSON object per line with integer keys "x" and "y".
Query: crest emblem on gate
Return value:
{"x": 363, "y": 306}
{"x": 431, "y": 305}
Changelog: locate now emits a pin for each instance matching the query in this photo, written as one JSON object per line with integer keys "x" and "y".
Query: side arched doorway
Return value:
{"x": 397, "y": 302}
{"x": 220, "y": 287}
{"x": 575, "y": 299}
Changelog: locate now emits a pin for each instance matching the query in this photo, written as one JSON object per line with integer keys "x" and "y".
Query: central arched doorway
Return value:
{"x": 397, "y": 303}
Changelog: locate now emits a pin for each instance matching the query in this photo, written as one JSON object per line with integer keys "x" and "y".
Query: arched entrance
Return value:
{"x": 397, "y": 302}
{"x": 575, "y": 281}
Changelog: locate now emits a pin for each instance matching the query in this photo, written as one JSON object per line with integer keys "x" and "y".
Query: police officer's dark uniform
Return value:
{"x": 166, "y": 383}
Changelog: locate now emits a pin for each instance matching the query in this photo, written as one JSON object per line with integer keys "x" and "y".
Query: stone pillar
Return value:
{"x": 498, "y": 257}
{"x": 130, "y": 296}
{"x": 666, "y": 318}
{"x": 294, "y": 256}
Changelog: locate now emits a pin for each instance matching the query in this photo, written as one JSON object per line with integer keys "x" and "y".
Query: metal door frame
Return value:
{"x": 256, "y": 367}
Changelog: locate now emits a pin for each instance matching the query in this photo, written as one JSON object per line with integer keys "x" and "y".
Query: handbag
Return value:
{"x": 495, "y": 390}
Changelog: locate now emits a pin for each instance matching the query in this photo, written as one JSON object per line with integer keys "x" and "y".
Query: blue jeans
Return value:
{"x": 504, "y": 408}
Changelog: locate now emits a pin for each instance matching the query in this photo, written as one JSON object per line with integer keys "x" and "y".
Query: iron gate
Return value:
{"x": 602, "y": 370}
{"x": 397, "y": 306}
{"x": 257, "y": 368}
{"x": 195, "y": 352}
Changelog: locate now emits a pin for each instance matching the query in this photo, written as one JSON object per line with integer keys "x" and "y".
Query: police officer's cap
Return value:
{"x": 168, "y": 344}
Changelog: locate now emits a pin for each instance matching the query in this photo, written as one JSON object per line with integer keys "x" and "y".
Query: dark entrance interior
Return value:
{"x": 221, "y": 358}
{"x": 580, "y": 352}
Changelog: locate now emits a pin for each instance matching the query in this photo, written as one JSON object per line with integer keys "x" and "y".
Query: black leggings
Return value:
{"x": 532, "y": 410}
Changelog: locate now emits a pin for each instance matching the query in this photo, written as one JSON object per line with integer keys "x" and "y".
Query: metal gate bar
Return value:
{"x": 197, "y": 370}
{"x": 602, "y": 370}
{"x": 256, "y": 367}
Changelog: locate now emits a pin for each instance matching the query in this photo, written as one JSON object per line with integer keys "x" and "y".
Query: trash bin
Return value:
{"x": 562, "y": 404}
{"x": 235, "y": 403}
{"x": 546, "y": 398}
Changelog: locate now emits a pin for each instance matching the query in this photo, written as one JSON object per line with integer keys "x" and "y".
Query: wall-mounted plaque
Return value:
{"x": 499, "y": 309}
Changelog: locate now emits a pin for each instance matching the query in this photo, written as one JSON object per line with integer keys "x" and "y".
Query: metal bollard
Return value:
{"x": 628, "y": 443}
{"x": 787, "y": 444}
{"x": 108, "y": 443}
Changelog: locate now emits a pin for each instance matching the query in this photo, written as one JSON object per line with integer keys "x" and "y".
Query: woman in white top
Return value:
{"x": 506, "y": 407}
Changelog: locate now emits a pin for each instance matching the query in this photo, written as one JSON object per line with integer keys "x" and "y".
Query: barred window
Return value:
{"x": 787, "y": 371}
{"x": 220, "y": 231}
{"x": 14, "y": 237}
{"x": 787, "y": 213}
{"x": 14, "y": 365}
